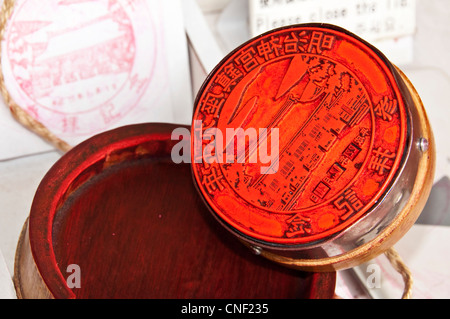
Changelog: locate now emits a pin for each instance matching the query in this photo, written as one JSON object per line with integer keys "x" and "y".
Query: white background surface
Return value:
{"x": 424, "y": 248}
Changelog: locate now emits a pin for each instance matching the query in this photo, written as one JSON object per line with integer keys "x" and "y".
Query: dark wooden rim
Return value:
{"x": 59, "y": 180}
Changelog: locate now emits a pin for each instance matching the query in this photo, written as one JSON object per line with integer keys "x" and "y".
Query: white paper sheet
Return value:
{"x": 423, "y": 250}
{"x": 433, "y": 87}
{"x": 201, "y": 36}
{"x": 373, "y": 20}
{"x": 386, "y": 24}
{"x": 83, "y": 67}
{"x": 7, "y": 290}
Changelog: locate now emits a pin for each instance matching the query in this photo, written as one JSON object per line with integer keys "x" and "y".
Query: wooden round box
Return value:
{"x": 115, "y": 217}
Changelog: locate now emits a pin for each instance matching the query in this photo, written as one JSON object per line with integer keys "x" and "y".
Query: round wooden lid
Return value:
{"x": 118, "y": 208}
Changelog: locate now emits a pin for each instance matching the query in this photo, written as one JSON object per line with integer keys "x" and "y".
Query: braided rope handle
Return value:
{"x": 391, "y": 254}
{"x": 398, "y": 264}
{"x": 17, "y": 112}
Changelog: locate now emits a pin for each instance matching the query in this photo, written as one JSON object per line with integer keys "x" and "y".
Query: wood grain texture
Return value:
{"x": 27, "y": 279}
{"x": 131, "y": 219}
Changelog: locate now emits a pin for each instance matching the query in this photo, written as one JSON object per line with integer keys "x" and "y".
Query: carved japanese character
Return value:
{"x": 212, "y": 180}
{"x": 386, "y": 108}
{"x": 212, "y": 103}
{"x": 298, "y": 225}
{"x": 348, "y": 203}
{"x": 379, "y": 160}
{"x": 320, "y": 41}
{"x": 247, "y": 59}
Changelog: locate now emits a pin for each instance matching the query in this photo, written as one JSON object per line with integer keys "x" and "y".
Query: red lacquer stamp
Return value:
{"x": 342, "y": 130}
{"x": 78, "y": 66}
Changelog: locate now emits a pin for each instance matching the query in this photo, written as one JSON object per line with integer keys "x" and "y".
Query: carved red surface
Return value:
{"x": 342, "y": 131}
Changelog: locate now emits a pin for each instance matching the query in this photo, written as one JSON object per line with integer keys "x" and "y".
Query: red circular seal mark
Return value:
{"x": 78, "y": 66}
{"x": 297, "y": 134}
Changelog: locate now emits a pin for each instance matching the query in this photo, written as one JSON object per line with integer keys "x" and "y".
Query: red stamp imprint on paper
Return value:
{"x": 78, "y": 66}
